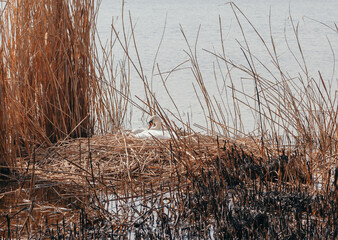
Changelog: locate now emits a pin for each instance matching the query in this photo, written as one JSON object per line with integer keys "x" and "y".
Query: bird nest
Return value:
{"x": 120, "y": 159}
{"x": 121, "y": 182}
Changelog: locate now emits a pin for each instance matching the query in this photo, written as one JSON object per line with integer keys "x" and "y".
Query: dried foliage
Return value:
{"x": 278, "y": 182}
{"x": 53, "y": 84}
{"x": 5, "y": 144}
{"x": 48, "y": 62}
{"x": 195, "y": 186}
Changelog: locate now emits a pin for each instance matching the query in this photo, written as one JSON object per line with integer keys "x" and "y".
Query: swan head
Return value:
{"x": 154, "y": 123}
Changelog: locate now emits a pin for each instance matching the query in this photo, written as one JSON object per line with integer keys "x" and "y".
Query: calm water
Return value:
{"x": 150, "y": 17}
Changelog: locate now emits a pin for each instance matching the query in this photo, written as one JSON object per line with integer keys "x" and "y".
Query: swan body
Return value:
{"x": 155, "y": 129}
{"x": 138, "y": 130}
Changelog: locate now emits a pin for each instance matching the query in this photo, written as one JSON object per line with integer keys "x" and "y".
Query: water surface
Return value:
{"x": 150, "y": 16}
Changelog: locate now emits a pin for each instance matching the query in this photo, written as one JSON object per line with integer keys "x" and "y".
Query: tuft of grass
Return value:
{"x": 54, "y": 86}
{"x": 5, "y": 140}
{"x": 48, "y": 58}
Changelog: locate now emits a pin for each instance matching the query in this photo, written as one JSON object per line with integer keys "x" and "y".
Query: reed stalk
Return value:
{"x": 4, "y": 119}
{"x": 48, "y": 60}
{"x": 54, "y": 86}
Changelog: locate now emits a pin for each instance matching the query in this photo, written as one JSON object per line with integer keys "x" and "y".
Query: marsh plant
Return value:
{"x": 79, "y": 174}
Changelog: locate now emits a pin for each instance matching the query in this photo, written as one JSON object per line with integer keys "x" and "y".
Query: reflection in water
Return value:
{"x": 28, "y": 210}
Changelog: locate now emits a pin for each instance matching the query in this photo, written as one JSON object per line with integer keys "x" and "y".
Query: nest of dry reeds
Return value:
{"x": 121, "y": 159}
{"x": 202, "y": 181}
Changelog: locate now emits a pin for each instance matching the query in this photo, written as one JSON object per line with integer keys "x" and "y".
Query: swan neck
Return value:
{"x": 157, "y": 124}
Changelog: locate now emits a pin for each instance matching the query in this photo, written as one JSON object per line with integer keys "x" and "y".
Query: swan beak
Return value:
{"x": 150, "y": 124}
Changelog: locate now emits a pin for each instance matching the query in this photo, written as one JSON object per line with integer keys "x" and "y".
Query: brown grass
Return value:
{"x": 5, "y": 145}
{"x": 49, "y": 64}
{"x": 292, "y": 112}
{"x": 123, "y": 158}
{"x": 53, "y": 85}
{"x": 56, "y": 92}
{"x": 146, "y": 176}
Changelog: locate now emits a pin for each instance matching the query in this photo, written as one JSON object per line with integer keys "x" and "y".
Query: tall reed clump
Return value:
{"x": 4, "y": 121}
{"x": 48, "y": 57}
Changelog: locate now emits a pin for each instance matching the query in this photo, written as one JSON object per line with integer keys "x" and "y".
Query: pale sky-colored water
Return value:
{"x": 150, "y": 17}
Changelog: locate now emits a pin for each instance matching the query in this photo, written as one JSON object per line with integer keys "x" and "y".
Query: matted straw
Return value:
{"x": 121, "y": 159}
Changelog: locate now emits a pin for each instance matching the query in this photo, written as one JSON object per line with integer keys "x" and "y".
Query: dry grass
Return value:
{"x": 123, "y": 158}
{"x": 53, "y": 84}
{"x": 56, "y": 92}
{"x": 292, "y": 112}
{"x": 48, "y": 63}
{"x": 195, "y": 178}
{"x": 5, "y": 145}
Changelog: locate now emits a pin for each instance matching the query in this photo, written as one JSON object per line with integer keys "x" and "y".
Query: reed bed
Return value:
{"x": 48, "y": 64}
{"x": 78, "y": 175}
{"x": 53, "y": 84}
{"x": 4, "y": 135}
{"x": 123, "y": 158}
{"x": 197, "y": 186}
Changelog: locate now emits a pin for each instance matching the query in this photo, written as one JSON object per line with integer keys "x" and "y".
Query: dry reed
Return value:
{"x": 5, "y": 145}
{"x": 53, "y": 84}
{"x": 296, "y": 112}
{"x": 193, "y": 185}
{"x": 48, "y": 63}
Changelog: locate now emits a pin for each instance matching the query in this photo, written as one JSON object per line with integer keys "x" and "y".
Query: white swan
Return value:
{"x": 155, "y": 129}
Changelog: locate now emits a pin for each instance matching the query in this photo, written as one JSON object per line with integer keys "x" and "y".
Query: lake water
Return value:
{"x": 150, "y": 17}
